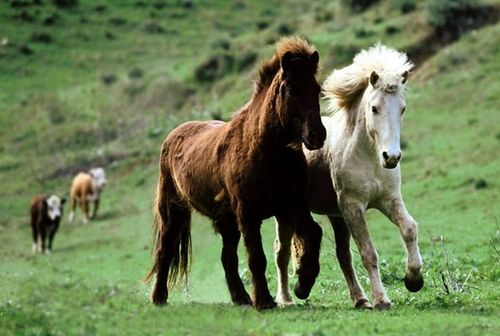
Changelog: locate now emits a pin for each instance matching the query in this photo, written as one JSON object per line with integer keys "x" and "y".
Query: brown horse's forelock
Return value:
{"x": 268, "y": 69}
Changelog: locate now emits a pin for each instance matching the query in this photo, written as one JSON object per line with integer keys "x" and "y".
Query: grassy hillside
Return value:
{"x": 104, "y": 82}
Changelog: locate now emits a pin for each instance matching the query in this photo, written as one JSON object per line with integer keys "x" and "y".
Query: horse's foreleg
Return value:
{"x": 282, "y": 246}
{"x": 353, "y": 213}
{"x": 257, "y": 264}
{"x": 396, "y": 211}
{"x": 307, "y": 237}
{"x": 343, "y": 250}
{"x": 228, "y": 229}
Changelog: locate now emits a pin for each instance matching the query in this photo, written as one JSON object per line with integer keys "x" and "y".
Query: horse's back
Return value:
{"x": 188, "y": 156}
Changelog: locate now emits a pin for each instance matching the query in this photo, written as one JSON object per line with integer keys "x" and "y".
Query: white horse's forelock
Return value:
{"x": 343, "y": 86}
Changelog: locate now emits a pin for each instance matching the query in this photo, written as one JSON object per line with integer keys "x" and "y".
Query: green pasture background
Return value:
{"x": 86, "y": 83}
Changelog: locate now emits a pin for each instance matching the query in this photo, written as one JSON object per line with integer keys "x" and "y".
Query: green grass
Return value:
{"x": 57, "y": 115}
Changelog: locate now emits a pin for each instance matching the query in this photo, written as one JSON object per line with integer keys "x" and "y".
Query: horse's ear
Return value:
{"x": 286, "y": 61}
{"x": 405, "y": 76}
{"x": 373, "y": 78}
{"x": 314, "y": 58}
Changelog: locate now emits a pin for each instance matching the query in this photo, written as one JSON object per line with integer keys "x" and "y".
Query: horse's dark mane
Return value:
{"x": 268, "y": 69}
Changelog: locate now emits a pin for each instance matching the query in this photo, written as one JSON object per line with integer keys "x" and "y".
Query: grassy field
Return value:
{"x": 114, "y": 77}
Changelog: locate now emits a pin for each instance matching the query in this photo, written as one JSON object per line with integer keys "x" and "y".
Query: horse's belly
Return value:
{"x": 322, "y": 196}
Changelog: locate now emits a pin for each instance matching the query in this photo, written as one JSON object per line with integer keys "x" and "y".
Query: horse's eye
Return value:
{"x": 403, "y": 110}
{"x": 374, "y": 109}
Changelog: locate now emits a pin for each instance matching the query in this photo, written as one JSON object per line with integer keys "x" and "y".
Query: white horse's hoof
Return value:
{"x": 284, "y": 300}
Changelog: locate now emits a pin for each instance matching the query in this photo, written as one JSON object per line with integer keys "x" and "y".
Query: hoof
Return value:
{"x": 242, "y": 300}
{"x": 383, "y": 306}
{"x": 285, "y": 302}
{"x": 414, "y": 285}
{"x": 300, "y": 292}
{"x": 363, "y": 304}
{"x": 265, "y": 305}
{"x": 159, "y": 299}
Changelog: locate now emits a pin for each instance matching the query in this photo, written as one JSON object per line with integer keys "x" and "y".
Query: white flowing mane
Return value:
{"x": 345, "y": 85}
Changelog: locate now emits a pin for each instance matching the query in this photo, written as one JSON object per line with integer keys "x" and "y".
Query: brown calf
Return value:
{"x": 46, "y": 213}
{"x": 87, "y": 187}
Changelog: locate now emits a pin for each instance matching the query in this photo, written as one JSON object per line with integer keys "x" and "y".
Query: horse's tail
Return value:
{"x": 172, "y": 242}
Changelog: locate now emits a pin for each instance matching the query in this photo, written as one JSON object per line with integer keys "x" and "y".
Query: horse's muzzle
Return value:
{"x": 314, "y": 139}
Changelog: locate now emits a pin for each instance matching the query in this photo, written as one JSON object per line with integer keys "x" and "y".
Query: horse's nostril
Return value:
{"x": 399, "y": 156}
{"x": 384, "y": 154}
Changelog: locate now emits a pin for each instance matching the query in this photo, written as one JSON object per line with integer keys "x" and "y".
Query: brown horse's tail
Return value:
{"x": 172, "y": 232}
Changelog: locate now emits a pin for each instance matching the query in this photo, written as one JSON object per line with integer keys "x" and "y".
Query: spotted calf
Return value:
{"x": 46, "y": 213}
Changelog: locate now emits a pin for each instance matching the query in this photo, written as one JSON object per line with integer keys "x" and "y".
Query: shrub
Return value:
{"x": 159, "y": 4}
{"x": 65, "y": 3}
{"x": 117, "y": 21}
{"x": 215, "y": 67}
{"x": 41, "y": 38}
{"x": 284, "y": 29}
{"x": 391, "y": 30}
{"x": 405, "y": 6}
{"x": 136, "y": 73}
{"x": 51, "y": 20}
{"x": 221, "y": 43}
{"x": 25, "y": 49}
{"x": 154, "y": 28}
{"x": 108, "y": 79}
{"x": 246, "y": 60}
{"x": 451, "y": 18}
{"x": 359, "y": 5}
{"x": 99, "y": 8}
{"x": 362, "y": 32}
{"x": 25, "y": 16}
{"x": 262, "y": 24}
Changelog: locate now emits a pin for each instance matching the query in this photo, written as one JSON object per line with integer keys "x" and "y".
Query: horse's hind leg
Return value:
{"x": 343, "y": 250}
{"x": 228, "y": 229}
{"x": 282, "y": 250}
{"x": 396, "y": 211}
{"x": 174, "y": 216}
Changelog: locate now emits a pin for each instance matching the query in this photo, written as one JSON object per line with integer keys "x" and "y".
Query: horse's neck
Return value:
{"x": 263, "y": 125}
{"x": 356, "y": 140}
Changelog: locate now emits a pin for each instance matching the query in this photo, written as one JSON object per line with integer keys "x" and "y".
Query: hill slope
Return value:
{"x": 116, "y": 77}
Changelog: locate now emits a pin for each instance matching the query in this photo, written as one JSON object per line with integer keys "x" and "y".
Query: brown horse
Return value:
{"x": 241, "y": 172}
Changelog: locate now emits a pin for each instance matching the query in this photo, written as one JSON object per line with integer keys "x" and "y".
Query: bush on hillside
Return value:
{"x": 154, "y": 28}
{"x": 451, "y": 18}
{"x": 41, "y": 37}
{"x": 246, "y": 60}
{"x": 405, "y": 6}
{"x": 221, "y": 43}
{"x": 65, "y": 3}
{"x": 215, "y": 67}
{"x": 359, "y": 5}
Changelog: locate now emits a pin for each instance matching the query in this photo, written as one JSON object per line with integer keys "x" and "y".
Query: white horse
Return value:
{"x": 357, "y": 169}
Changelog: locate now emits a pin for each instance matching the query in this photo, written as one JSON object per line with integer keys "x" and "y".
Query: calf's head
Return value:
{"x": 54, "y": 206}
